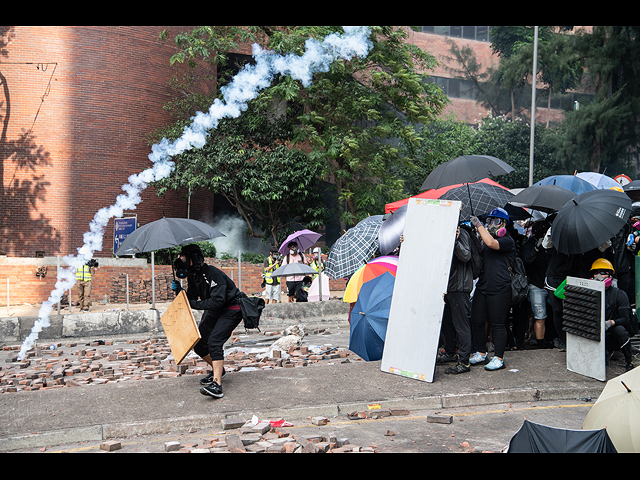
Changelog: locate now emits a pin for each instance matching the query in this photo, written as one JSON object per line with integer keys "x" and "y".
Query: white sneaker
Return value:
{"x": 495, "y": 364}
{"x": 478, "y": 359}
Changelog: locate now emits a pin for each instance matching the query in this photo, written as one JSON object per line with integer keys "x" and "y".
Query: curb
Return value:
{"x": 169, "y": 425}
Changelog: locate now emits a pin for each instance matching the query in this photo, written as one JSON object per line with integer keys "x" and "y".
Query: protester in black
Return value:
{"x": 211, "y": 290}
{"x": 617, "y": 312}
{"x": 492, "y": 298}
{"x": 455, "y": 319}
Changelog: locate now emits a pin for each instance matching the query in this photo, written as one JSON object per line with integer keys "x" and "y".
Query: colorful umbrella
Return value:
{"x": 364, "y": 274}
{"x": 304, "y": 239}
{"x": 370, "y": 316}
{"x": 390, "y": 260}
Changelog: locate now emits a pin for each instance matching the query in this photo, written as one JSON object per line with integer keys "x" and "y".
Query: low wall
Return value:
{"x": 13, "y": 330}
{"x": 110, "y": 279}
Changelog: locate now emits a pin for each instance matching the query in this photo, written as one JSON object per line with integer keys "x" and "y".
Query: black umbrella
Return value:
{"x": 589, "y": 220}
{"x": 633, "y": 190}
{"x": 545, "y": 198}
{"x": 478, "y": 198}
{"x": 466, "y": 169}
{"x": 165, "y": 233}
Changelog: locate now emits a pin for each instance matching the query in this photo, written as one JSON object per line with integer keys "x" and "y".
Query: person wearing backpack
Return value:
{"x": 211, "y": 290}
{"x": 492, "y": 297}
{"x": 455, "y": 319}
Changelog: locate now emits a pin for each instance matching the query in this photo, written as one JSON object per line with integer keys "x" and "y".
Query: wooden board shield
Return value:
{"x": 180, "y": 327}
{"x": 413, "y": 332}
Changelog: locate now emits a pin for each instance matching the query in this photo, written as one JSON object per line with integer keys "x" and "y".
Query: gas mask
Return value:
{"x": 495, "y": 227}
{"x": 182, "y": 268}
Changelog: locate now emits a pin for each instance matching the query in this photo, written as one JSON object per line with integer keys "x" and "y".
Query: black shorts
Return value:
{"x": 215, "y": 329}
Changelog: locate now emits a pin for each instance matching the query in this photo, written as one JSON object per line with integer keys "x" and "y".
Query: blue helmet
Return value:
{"x": 499, "y": 213}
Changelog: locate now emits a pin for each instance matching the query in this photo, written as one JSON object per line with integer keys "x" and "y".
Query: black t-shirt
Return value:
{"x": 495, "y": 276}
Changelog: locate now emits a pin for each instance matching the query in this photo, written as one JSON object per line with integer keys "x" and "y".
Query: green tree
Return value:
{"x": 350, "y": 118}
{"x": 604, "y": 134}
{"x": 247, "y": 160}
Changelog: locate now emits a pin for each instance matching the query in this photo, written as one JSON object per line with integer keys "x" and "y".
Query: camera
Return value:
{"x": 93, "y": 263}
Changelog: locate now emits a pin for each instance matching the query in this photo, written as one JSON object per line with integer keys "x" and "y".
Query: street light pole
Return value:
{"x": 533, "y": 105}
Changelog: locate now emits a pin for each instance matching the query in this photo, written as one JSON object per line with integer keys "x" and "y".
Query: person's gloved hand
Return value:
{"x": 474, "y": 221}
{"x": 192, "y": 303}
{"x": 175, "y": 286}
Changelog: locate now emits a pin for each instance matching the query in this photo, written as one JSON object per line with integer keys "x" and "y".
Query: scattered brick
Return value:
{"x": 110, "y": 445}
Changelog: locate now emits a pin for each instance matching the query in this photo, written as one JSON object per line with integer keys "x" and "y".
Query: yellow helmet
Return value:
{"x": 602, "y": 264}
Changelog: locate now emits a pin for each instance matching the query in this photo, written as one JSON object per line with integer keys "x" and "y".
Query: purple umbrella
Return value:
{"x": 304, "y": 239}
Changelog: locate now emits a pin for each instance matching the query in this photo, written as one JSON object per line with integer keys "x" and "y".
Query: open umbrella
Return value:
{"x": 433, "y": 194}
{"x": 388, "y": 260}
{"x": 633, "y": 190}
{"x": 391, "y": 230}
{"x": 370, "y": 316}
{"x": 466, "y": 169}
{"x": 353, "y": 249}
{"x": 304, "y": 239}
{"x": 165, "y": 233}
{"x": 293, "y": 269}
{"x": 589, "y": 220}
{"x": 536, "y": 438}
{"x": 363, "y": 275}
{"x": 599, "y": 180}
{"x": 545, "y": 198}
{"x": 478, "y": 198}
{"x": 618, "y": 410}
{"x": 569, "y": 182}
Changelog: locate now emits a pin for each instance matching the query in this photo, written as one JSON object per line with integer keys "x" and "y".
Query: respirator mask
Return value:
{"x": 495, "y": 227}
{"x": 600, "y": 277}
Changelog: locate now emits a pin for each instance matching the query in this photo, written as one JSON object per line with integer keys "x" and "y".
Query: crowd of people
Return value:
{"x": 480, "y": 314}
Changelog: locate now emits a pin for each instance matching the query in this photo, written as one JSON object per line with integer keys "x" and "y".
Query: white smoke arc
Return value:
{"x": 245, "y": 86}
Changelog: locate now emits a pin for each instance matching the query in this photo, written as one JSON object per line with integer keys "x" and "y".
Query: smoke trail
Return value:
{"x": 318, "y": 57}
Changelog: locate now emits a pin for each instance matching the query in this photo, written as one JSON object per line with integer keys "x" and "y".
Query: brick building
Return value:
{"x": 76, "y": 106}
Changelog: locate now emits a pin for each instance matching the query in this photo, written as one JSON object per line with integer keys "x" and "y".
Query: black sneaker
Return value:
{"x": 458, "y": 368}
{"x": 209, "y": 378}
{"x": 213, "y": 390}
{"x": 447, "y": 359}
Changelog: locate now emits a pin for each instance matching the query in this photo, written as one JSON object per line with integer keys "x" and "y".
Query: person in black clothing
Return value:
{"x": 617, "y": 312}
{"x": 211, "y": 290}
{"x": 492, "y": 298}
{"x": 536, "y": 261}
{"x": 455, "y": 319}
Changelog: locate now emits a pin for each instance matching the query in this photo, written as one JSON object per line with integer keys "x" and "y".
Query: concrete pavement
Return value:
{"x": 53, "y": 417}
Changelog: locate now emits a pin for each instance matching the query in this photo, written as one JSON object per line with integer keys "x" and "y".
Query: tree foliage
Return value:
{"x": 348, "y": 122}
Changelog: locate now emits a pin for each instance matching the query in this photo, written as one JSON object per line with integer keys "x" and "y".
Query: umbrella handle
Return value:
{"x": 470, "y": 202}
{"x": 173, "y": 268}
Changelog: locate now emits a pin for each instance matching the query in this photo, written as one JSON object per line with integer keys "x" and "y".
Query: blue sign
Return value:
{"x": 121, "y": 230}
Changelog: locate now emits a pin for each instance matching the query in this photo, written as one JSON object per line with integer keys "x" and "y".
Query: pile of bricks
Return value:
{"x": 263, "y": 438}
{"x": 70, "y": 365}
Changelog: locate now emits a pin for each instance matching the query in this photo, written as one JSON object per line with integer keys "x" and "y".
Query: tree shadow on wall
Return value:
{"x": 23, "y": 229}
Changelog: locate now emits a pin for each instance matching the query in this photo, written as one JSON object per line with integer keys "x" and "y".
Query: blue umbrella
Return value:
{"x": 569, "y": 182}
{"x": 370, "y": 316}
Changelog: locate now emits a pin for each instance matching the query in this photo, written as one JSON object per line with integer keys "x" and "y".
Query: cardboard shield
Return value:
{"x": 180, "y": 327}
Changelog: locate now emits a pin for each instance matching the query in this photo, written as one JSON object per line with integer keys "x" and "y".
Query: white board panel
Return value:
{"x": 586, "y": 356}
{"x": 411, "y": 343}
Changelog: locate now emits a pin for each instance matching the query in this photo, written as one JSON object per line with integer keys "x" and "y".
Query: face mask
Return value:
{"x": 293, "y": 251}
{"x": 607, "y": 281}
{"x": 181, "y": 269}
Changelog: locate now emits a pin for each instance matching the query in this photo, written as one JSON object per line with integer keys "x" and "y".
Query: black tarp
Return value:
{"x": 536, "y": 438}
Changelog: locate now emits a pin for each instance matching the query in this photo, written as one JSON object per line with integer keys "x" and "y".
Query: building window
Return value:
{"x": 467, "y": 32}
{"x": 455, "y": 87}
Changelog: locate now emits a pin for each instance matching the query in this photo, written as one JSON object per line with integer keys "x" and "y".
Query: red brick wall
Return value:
{"x": 25, "y": 287}
{"x": 105, "y": 97}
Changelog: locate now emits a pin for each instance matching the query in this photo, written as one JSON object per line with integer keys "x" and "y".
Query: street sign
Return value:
{"x": 622, "y": 180}
{"x": 122, "y": 228}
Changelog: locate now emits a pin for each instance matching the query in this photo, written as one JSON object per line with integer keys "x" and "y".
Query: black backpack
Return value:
{"x": 251, "y": 308}
{"x": 476, "y": 257}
